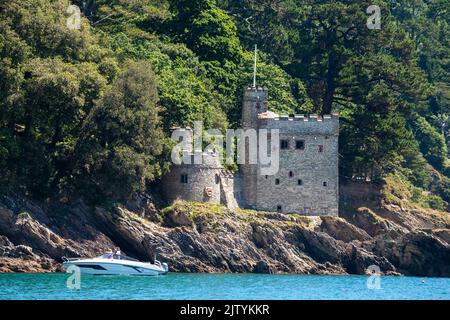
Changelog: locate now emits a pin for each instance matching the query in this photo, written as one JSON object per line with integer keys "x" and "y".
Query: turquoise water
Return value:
{"x": 221, "y": 286}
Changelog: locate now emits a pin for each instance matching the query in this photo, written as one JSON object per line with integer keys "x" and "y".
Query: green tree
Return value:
{"x": 50, "y": 78}
{"x": 211, "y": 34}
{"x": 122, "y": 139}
{"x": 432, "y": 143}
{"x": 185, "y": 90}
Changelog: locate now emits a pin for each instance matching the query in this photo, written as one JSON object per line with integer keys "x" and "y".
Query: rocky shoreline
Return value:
{"x": 194, "y": 237}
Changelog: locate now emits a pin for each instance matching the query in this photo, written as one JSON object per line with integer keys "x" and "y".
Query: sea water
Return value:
{"x": 221, "y": 286}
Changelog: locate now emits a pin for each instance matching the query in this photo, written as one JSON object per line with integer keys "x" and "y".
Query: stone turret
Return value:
{"x": 255, "y": 103}
{"x": 194, "y": 182}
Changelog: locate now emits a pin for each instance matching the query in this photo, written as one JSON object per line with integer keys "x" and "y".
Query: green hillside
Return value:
{"x": 88, "y": 111}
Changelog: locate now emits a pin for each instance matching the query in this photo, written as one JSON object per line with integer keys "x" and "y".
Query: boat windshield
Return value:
{"x": 123, "y": 257}
{"x": 117, "y": 257}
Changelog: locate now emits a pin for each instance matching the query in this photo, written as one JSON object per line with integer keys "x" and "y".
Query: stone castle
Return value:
{"x": 307, "y": 179}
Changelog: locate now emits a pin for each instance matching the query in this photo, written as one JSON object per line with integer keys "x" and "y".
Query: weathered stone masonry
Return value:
{"x": 307, "y": 180}
{"x": 194, "y": 182}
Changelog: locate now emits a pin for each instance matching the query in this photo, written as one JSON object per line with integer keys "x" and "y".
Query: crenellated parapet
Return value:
{"x": 259, "y": 94}
{"x": 327, "y": 124}
{"x": 257, "y": 89}
{"x": 298, "y": 117}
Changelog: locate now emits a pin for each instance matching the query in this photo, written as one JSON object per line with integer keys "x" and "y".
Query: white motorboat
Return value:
{"x": 112, "y": 264}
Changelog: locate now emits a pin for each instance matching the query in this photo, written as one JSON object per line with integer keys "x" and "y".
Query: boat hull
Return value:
{"x": 116, "y": 268}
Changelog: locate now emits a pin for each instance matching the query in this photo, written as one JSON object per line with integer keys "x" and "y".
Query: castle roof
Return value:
{"x": 267, "y": 115}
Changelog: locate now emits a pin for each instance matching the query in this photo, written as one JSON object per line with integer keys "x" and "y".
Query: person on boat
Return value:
{"x": 117, "y": 252}
{"x": 109, "y": 254}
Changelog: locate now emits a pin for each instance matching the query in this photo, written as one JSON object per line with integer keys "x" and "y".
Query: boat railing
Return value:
{"x": 65, "y": 259}
{"x": 158, "y": 263}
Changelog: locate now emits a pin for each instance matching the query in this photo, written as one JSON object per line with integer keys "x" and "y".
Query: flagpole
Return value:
{"x": 254, "y": 69}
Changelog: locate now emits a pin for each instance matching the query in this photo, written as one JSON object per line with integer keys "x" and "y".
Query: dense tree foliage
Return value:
{"x": 89, "y": 109}
{"x": 121, "y": 140}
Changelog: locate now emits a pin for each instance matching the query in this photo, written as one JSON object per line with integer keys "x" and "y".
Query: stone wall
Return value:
{"x": 255, "y": 102}
{"x": 203, "y": 182}
{"x": 312, "y": 167}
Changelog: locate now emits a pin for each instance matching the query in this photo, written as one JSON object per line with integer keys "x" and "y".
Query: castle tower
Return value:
{"x": 194, "y": 182}
{"x": 254, "y": 102}
{"x": 307, "y": 181}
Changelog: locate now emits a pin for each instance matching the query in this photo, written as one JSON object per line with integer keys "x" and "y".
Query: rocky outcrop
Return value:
{"x": 21, "y": 258}
{"x": 416, "y": 253}
{"x": 175, "y": 218}
{"x": 340, "y": 229}
{"x": 201, "y": 238}
{"x": 443, "y": 234}
{"x": 63, "y": 230}
{"x": 375, "y": 225}
{"x": 354, "y": 259}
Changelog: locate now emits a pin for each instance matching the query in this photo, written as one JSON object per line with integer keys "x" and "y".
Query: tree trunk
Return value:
{"x": 330, "y": 84}
{"x": 56, "y": 136}
{"x": 87, "y": 9}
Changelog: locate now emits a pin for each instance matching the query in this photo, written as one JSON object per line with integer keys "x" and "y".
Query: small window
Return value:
{"x": 279, "y": 208}
{"x": 299, "y": 182}
{"x": 266, "y": 176}
{"x": 277, "y": 181}
{"x": 291, "y": 174}
{"x": 300, "y": 144}
{"x": 217, "y": 179}
{"x": 184, "y": 178}
{"x": 320, "y": 148}
{"x": 325, "y": 184}
{"x": 284, "y": 144}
